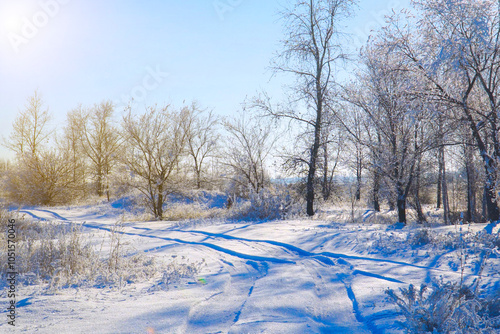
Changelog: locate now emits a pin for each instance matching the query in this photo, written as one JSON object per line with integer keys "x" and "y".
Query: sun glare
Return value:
{"x": 31, "y": 30}
{"x": 12, "y": 15}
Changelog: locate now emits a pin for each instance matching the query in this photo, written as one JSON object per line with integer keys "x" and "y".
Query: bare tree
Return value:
{"x": 41, "y": 175}
{"x": 70, "y": 146}
{"x": 100, "y": 142}
{"x": 457, "y": 52}
{"x": 310, "y": 52}
{"x": 155, "y": 142}
{"x": 247, "y": 147}
{"x": 400, "y": 127}
{"x": 202, "y": 139}
{"x": 30, "y": 131}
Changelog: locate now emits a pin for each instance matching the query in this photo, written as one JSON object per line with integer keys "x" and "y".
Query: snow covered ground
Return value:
{"x": 294, "y": 276}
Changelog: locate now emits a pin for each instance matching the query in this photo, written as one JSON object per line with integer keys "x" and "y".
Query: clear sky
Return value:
{"x": 216, "y": 52}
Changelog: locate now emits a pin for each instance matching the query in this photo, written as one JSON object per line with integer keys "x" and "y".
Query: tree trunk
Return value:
{"x": 159, "y": 207}
{"x": 446, "y": 204}
{"x": 376, "y": 190}
{"x": 310, "y": 182}
{"x": 99, "y": 186}
{"x": 441, "y": 163}
{"x": 471, "y": 195}
{"x": 198, "y": 179}
{"x": 317, "y": 139}
{"x": 358, "y": 176}
{"x": 440, "y": 180}
{"x": 471, "y": 181}
{"x": 326, "y": 185}
{"x": 443, "y": 186}
{"x": 490, "y": 198}
{"x": 401, "y": 203}
{"x": 418, "y": 206}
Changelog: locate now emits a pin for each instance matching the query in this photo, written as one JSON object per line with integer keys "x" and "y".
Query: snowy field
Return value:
{"x": 293, "y": 276}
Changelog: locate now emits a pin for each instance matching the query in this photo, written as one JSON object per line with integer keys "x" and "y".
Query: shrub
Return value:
{"x": 271, "y": 203}
{"x": 185, "y": 211}
{"x": 61, "y": 255}
{"x": 421, "y": 237}
{"x": 444, "y": 308}
{"x": 176, "y": 271}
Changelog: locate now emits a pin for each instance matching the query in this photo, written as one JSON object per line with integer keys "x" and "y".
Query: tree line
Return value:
{"x": 157, "y": 152}
{"x": 425, "y": 86}
{"x": 423, "y": 98}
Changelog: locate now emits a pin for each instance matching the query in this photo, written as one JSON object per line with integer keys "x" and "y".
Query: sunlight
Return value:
{"x": 12, "y": 14}
{"x": 22, "y": 23}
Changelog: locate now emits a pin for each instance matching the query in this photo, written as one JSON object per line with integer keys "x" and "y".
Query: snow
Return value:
{"x": 293, "y": 276}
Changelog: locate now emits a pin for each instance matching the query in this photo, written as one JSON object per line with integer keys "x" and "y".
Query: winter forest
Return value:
{"x": 363, "y": 199}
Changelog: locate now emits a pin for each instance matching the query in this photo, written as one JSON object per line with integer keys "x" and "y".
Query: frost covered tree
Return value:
{"x": 310, "y": 51}
{"x": 399, "y": 127}
{"x": 456, "y": 49}
{"x": 100, "y": 143}
{"x": 30, "y": 132}
{"x": 202, "y": 140}
{"x": 70, "y": 146}
{"x": 154, "y": 145}
{"x": 40, "y": 174}
{"x": 248, "y": 146}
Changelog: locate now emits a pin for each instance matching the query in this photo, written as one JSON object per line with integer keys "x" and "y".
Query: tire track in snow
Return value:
{"x": 322, "y": 256}
{"x": 205, "y": 244}
{"x": 228, "y": 303}
{"x": 256, "y": 267}
{"x": 368, "y": 321}
{"x": 32, "y": 212}
{"x": 323, "y": 291}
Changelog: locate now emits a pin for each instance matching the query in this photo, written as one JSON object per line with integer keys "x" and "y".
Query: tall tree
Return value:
{"x": 30, "y": 132}
{"x": 457, "y": 50}
{"x": 154, "y": 144}
{"x": 310, "y": 52}
{"x": 202, "y": 139}
{"x": 41, "y": 175}
{"x": 400, "y": 130}
{"x": 101, "y": 141}
{"x": 248, "y": 146}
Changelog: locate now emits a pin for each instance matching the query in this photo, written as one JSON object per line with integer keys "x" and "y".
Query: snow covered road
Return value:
{"x": 270, "y": 277}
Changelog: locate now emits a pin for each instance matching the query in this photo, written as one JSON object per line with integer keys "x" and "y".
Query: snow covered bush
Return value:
{"x": 421, "y": 237}
{"x": 51, "y": 253}
{"x": 44, "y": 179}
{"x": 61, "y": 255}
{"x": 175, "y": 271}
{"x": 453, "y": 307}
{"x": 444, "y": 308}
{"x": 184, "y": 211}
{"x": 276, "y": 202}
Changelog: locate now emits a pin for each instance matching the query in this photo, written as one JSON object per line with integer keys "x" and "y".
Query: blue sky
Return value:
{"x": 74, "y": 52}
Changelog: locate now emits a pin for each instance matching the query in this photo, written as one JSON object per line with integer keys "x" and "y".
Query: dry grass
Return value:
{"x": 57, "y": 255}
